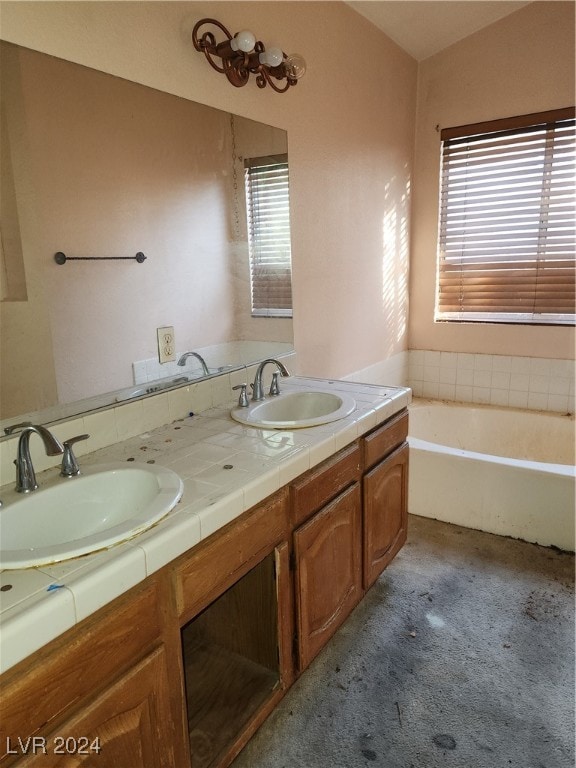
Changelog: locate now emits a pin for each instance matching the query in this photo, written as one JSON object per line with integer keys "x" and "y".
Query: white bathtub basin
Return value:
{"x": 509, "y": 432}
{"x": 107, "y": 504}
{"x": 500, "y": 470}
{"x": 296, "y": 410}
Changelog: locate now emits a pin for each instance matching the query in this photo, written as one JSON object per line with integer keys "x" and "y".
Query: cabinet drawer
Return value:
{"x": 385, "y": 439}
{"x": 76, "y": 666}
{"x": 227, "y": 555}
{"x": 323, "y": 483}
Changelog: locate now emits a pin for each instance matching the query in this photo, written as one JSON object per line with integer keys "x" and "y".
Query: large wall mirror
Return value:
{"x": 97, "y": 166}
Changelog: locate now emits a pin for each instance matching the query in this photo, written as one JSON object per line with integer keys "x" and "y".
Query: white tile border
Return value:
{"x": 520, "y": 382}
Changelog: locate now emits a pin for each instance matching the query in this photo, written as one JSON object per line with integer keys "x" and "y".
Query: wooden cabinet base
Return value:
{"x": 181, "y": 671}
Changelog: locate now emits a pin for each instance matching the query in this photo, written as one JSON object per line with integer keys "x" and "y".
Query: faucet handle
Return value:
{"x": 274, "y": 385}
{"x": 243, "y": 399}
{"x": 70, "y": 466}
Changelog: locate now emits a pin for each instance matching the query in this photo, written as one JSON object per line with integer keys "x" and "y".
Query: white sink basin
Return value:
{"x": 106, "y": 504}
{"x": 295, "y": 410}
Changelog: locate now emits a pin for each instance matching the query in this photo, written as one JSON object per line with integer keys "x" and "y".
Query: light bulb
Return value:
{"x": 272, "y": 57}
{"x": 295, "y": 66}
{"x": 243, "y": 41}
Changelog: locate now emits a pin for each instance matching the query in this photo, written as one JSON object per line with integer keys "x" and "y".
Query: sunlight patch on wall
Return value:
{"x": 395, "y": 243}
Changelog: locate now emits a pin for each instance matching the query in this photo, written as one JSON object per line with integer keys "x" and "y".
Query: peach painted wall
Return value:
{"x": 350, "y": 126}
{"x": 521, "y": 64}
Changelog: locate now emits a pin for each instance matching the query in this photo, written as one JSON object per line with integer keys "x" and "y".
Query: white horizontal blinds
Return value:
{"x": 506, "y": 225}
{"x": 268, "y": 209}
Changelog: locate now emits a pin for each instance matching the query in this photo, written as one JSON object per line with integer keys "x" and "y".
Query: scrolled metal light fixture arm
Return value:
{"x": 238, "y": 64}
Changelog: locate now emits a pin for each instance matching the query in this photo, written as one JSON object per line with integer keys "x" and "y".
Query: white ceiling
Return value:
{"x": 424, "y": 27}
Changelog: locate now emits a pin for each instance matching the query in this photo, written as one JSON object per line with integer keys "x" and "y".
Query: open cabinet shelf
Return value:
{"x": 231, "y": 666}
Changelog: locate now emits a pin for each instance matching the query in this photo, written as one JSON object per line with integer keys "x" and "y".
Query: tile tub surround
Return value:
{"x": 226, "y": 468}
{"x": 520, "y": 382}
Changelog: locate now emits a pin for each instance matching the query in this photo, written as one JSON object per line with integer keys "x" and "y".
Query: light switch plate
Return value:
{"x": 166, "y": 344}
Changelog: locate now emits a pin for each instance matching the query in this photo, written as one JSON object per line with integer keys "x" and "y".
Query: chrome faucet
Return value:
{"x": 257, "y": 391}
{"x": 198, "y": 357}
{"x": 25, "y": 475}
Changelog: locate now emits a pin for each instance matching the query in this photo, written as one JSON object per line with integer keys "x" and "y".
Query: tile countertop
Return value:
{"x": 38, "y": 604}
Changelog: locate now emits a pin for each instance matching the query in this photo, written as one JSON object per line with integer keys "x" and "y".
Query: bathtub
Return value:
{"x": 500, "y": 470}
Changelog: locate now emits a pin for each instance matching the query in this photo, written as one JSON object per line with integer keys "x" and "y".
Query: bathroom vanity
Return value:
{"x": 182, "y": 668}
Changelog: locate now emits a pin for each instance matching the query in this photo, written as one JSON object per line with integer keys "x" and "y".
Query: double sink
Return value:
{"x": 110, "y": 503}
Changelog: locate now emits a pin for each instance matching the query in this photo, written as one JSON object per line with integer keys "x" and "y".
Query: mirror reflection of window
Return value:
{"x": 268, "y": 215}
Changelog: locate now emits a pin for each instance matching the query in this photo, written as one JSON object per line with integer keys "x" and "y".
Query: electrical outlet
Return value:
{"x": 166, "y": 344}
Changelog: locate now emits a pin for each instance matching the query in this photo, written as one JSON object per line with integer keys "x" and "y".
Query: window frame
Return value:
{"x": 465, "y": 272}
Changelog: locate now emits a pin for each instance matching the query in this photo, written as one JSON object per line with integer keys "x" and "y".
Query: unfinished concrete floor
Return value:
{"x": 462, "y": 654}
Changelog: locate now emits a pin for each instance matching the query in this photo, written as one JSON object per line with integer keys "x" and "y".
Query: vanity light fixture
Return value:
{"x": 242, "y": 54}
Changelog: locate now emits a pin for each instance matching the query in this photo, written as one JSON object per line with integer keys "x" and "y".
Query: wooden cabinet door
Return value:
{"x": 126, "y": 726}
{"x": 328, "y": 559}
{"x": 385, "y": 513}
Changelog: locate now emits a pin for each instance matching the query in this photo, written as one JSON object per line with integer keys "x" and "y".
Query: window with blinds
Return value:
{"x": 507, "y": 220}
{"x": 268, "y": 211}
